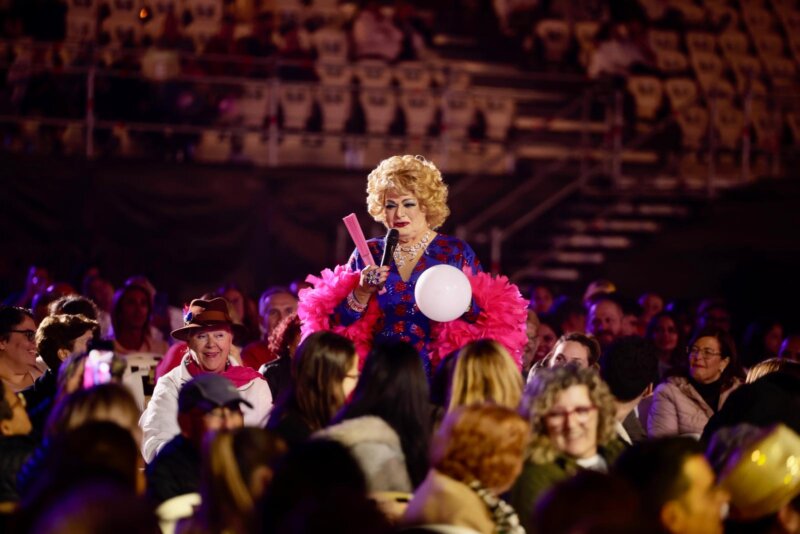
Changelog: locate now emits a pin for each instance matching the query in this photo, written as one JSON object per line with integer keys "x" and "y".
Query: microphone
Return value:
{"x": 392, "y": 237}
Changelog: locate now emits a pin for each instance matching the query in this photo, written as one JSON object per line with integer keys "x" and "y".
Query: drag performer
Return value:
{"x": 407, "y": 193}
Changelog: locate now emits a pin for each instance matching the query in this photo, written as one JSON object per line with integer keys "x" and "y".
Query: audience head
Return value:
{"x": 106, "y": 402}
{"x": 275, "y": 304}
{"x": 676, "y": 485}
{"x": 14, "y": 419}
{"x": 324, "y": 373}
{"x": 790, "y": 348}
{"x": 713, "y": 313}
{"x": 237, "y": 468}
{"x": 598, "y": 289}
{"x": 236, "y": 299}
{"x": 283, "y": 341}
{"x": 761, "y": 340}
{"x": 42, "y": 300}
{"x": 763, "y": 479}
{"x": 100, "y": 291}
{"x": 532, "y": 330}
{"x": 712, "y": 356}
{"x": 664, "y": 332}
{"x": 319, "y": 488}
{"x": 208, "y": 330}
{"x": 60, "y": 336}
{"x": 574, "y": 349}
{"x": 549, "y": 333}
{"x": 394, "y": 387}
{"x": 605, "y": 320}
{"x": 209, "y": 403}
{"x": 590, "y": 501}
{"x": 541, "y": 299}
{"x": 17, "y": 336}
{"x": 571, "y": 412}
{"x": 651, "y": 305}
{"x": 773, "y": 365}
{"x": 569, "y": 314}
{"x": 485, "y": 372}
{"x": 629, "y": 367}
{"x": 132, "y": 309}
{"x": 481, "y": 442}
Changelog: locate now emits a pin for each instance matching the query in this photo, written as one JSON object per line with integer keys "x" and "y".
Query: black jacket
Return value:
{"x": 14, "y": 451}
{"x": 39, "y": 399}
{"x": 174, "y": 471}
{"x": 278, "y": 374}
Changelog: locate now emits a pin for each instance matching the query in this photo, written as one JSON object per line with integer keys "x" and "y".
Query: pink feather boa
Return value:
{"x": 503, "y": 314}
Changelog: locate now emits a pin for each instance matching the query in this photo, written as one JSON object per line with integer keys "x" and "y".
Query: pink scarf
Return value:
{"x": 238, "y": 374}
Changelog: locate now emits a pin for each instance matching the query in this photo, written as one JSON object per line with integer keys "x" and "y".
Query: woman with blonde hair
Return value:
{"x": 476, "y": 456}
{"x": 572, "y": 415}
{"x": 237, "y": 468}
{"x": 408, "y": 195}
{"x": 485, "y": 372}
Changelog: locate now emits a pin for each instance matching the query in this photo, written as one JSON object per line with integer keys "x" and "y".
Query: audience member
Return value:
{"x": 548, "y": 335}
{"x": 761, "y": 341}
{"x": 630, "y": 368}
{"x": 541, "y": 299}
{"x": 572, "y": 418}
{"x": 569, "y": 315}
{"x": 57, "y": 338}
{"x": 485, "y": 372}
{"x": 532, "y": 331}
{"x": 18, "y": 367}
{"x": 713, "y": 312}
{"x": 275, "y": 304}
{"x": 683, "y": 403}
{"x": 206, "y": 404}
{"x": 773, "y": 365}
{"x": 665, "y": 334}
{"x": 101, "y": 293}
{"x": 676, "y": 486}
{"x": 283, "y": 342}
{"x": 763, "y": 480}
{"x": 241, "y": 313}
{"x": 324, "y": 373}
{"x": 605, "y": 320}
{"x": 475, "y": 458}
{"x": 651, "y": 305}
{"x": 575, "y": 349}
{"x": 387, "y": 424}
{"x": 130, "y": 320}
{"x": 16, "y": 445}
{"x": 238, "y": 466}
{"x": 208, "y": 331}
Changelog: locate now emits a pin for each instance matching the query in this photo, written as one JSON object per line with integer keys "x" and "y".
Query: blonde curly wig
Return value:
{"x": 540, "y": 396}
{"x": 413, "y": 175}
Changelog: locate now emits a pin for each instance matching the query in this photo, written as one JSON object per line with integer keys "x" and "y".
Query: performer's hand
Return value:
{"x": 372, "y": 279}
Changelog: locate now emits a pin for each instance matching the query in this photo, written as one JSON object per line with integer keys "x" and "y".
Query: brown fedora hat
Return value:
{"x": 204, "y": 313}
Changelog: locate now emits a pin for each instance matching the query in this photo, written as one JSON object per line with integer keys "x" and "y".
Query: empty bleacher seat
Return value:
{"x": 335, "y": 105}
{"x": 413, "y": 75}
{"x": 330, "y": 44}
{"x": 420, "y": 108}
{"x": 790, "y": 18}
{"x": 201, "y": 33}
{"x": 794, "y": 47}
{"x": 380, "y": 106}
{"x": 693, "y": 122}
{"x": 585, "y": 32}
{"x": 160, "y": 65}
{"x": 297, "y": 102}
{"x": 82, "y": 7}
{"x": 648, "y": 94}
{"x": 80, "y": 27}
{"x": 334, "y": 73}
{"x": 707, "y": 67}
{"x": 373, "y": 73}
{"x": 721, "y": 90}
{"x": 214, "y": 147}
{"x": 458, "y": 110}
{"x": 499, "y": 114}
{"x": 722, "y": 16}
{"x": 793, "y": 121}
{"x": 205, "y": 11}
{"x": 123, "y": 9}
{"x": 692, "y": 13}
{"x": 555, "y": 37}
{"x": 734, "y": 43}
{"x": 746, "y": 68}
{"x": 681, "y": 92}
{"x": 122, "y": 30}
{"x": 768, "y": 128}
{"x": 729, "y": 125}
{"x": 255, "y": 148}
{"x": 757, "y": 19}
{"x": 671, "y": 61}
{"x": 253, "y": 104}
{"x": 703, "y": 42}
{"x": 663, "y": 40}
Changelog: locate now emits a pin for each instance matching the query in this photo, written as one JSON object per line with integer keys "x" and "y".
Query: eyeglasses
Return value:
{"x": 29, "y": 334}
{"x": 705, "y": 354}
{"x": 559, "y": 417}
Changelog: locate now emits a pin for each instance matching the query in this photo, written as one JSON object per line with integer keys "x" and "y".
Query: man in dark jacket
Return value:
{"x": 15, "y": 443}
{"x": 207, "y": 403}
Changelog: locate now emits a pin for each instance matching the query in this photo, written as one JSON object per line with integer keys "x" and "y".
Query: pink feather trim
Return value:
{"x": 503, "y": 317}
{"x": 503, "y": 314}
{"x": 318, "y": 303}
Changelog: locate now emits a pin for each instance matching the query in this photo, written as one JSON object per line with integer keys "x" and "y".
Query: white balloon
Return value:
{"x": 443, "y": 293}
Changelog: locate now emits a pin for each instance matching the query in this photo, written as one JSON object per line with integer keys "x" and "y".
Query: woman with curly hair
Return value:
{"x": 408, "y": 194}
{"x": 475, "y": 457}
{"x": 571, "y": 412}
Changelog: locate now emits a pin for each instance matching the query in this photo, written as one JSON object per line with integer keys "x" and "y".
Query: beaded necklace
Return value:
{"x": 403, "y": 254}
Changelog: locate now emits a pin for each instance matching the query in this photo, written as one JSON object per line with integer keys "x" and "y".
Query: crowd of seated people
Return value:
{"x": 620, "y": 425}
